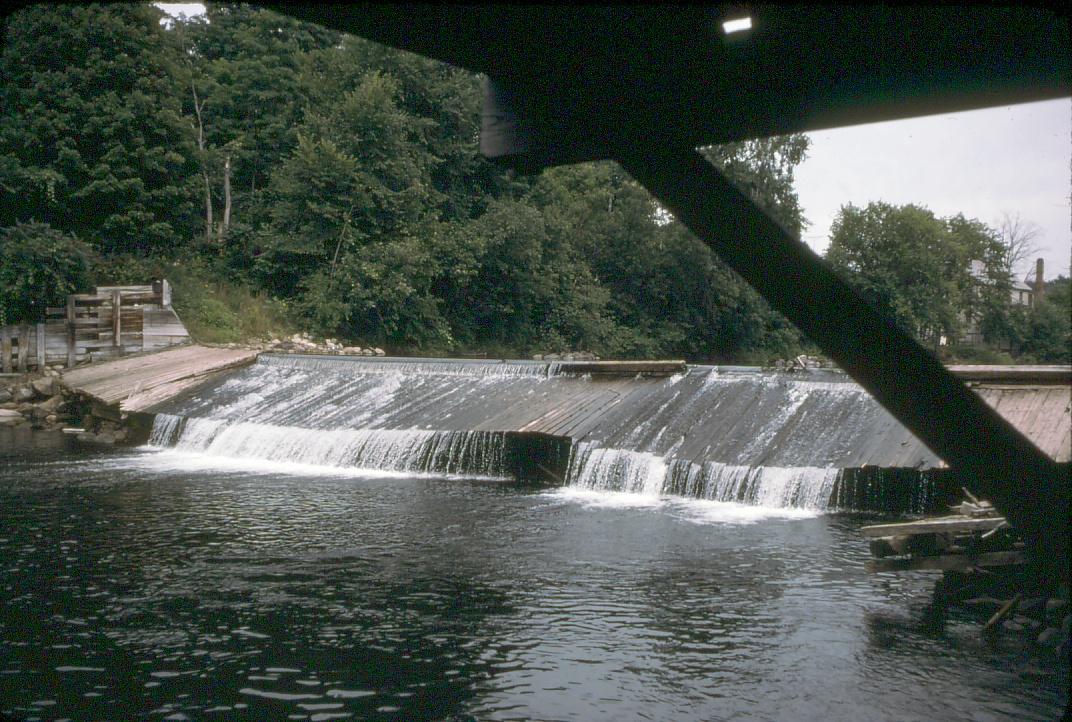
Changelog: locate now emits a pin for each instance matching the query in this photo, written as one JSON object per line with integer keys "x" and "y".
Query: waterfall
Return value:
{"x": 720, "y": 434}
{"x": 474, "y": 453}
{"x": 600, "y": 469}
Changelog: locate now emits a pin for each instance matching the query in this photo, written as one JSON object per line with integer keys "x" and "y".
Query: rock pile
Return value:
{"x": 304, "y": 343}
{"x": 37, "y": 401}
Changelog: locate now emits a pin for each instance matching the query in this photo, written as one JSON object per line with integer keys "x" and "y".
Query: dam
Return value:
{"x": 812, "y": 440}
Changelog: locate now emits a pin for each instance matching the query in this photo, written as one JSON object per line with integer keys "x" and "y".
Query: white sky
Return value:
{"x": 983, "y": 163}
{"x": 980, "y": 163}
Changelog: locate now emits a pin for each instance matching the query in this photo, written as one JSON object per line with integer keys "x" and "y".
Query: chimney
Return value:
{"x": 1040, "y": 284}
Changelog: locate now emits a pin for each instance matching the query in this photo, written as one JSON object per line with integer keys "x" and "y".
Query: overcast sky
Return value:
{"x": 1015, "y": 159}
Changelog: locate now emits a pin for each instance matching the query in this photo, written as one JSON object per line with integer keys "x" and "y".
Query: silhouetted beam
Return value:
{"x": 592, "y": 71}
{"x": 1000, "y": 463}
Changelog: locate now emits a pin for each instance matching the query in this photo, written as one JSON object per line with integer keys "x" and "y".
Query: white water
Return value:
{"x": 396, "y": 416}
{"x": 477, "y": 453}
{"x": 596, "y": 469}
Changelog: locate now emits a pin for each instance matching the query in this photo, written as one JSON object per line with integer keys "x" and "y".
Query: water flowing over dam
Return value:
{"x": 815, "y": 441}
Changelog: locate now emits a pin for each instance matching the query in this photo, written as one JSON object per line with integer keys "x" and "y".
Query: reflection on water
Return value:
{"x": 134, "y": 586}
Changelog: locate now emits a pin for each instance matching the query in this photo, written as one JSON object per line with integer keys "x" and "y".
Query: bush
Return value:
{"x": 39, "y": 266}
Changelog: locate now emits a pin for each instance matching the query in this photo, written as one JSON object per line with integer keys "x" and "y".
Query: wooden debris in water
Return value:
{"x": 966, "y": 540}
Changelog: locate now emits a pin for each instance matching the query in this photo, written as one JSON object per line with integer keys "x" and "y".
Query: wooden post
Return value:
{"x": 117, "y": 299}
{"x": 24, "y": 346}
{"x": 5, "y": 348}
{"x": 70, "y": 332}
{"x": 40, "y": 347}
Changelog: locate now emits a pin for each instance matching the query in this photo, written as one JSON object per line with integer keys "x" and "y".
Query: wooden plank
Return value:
{"x": 943, "y": 525}
{"x": 5, "y": 349}
{"x": 24, "y": 346}
{"x": 947, "y": 562}
{"x": 117, "y": 316}
{"x": 40, "y": 346}
{"x": 70, "y": 332}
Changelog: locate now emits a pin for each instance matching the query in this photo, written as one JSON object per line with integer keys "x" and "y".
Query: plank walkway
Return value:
{"x": 137, "y": 382}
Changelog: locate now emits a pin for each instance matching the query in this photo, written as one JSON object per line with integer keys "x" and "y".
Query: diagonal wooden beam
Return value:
{"x": 998, "y": 462}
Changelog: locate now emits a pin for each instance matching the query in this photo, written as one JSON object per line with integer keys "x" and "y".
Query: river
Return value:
{"x": 159, "y": 584}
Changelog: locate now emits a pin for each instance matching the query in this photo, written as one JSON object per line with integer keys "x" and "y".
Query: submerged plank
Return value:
{"x": 947, "y": 562}
{"x": 943, "y": 525}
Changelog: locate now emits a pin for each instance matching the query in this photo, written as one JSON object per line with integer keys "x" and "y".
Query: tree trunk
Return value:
{"x": 198, "y": 105}
{"x": 225, "y": 225}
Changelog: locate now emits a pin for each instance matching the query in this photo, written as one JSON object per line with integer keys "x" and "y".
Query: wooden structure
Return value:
{"x": 135, "y": 383}
{"x": 974, "y": 538}
{"x": 111, "y": 321}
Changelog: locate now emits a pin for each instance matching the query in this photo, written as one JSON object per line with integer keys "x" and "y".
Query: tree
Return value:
{"x": 91, "y": 128}
{"x": 918, "y": 267}
{"x": 1019, "y": 242}
{"x": 39, "y": 266}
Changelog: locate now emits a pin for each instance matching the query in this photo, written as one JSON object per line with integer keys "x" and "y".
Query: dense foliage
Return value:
{"x": 941, "y": 277}
{"x": 340, "y": 181}
{"x": 39, "y": 266}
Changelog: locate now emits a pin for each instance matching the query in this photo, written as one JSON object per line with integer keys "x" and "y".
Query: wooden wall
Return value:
{"x": 111, "y": 321}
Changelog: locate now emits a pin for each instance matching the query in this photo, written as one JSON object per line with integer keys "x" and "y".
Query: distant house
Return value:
{"x": 1025, "y": 292}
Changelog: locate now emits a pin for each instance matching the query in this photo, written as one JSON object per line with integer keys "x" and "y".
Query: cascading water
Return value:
{"x": 332, "y": 412}
{"x": 477, "y": 453}
{"x": 599, "y": 469}
{"x": 764, "y": 439}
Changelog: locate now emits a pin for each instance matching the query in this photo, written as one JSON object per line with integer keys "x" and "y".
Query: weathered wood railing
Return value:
{"x": 112, "y": 321}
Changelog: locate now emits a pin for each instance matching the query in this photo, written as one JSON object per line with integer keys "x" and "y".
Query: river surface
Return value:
{"x": 156, "y": 584}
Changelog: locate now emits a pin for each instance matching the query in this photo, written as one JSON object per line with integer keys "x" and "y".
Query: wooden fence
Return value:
{"x": 112, "y": 321}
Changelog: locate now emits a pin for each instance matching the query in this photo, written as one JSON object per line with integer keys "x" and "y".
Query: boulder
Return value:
{"x": 43, "y": 386}
{"x": 10, "y": 417}
{"x": 52, "y": 404}
{"x": 24, "y": 393}
{"x": 379, "y": 352}
{"x": 5, "y": 396}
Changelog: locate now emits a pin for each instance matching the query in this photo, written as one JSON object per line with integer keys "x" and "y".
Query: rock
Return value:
{"x": 52, "y": 404}
{"x": 1055, "y": 606}
{"x": 5, "y": 396}
{"x": 43, "y": 386}
{"x": 24, "y": 393}
{"x": 51, "y": 418}
{"x": 9, "y": 414}
{"x": 379, "y": 352}
{"x": 1050, "y": 637}
{"x": 86, "y": 436}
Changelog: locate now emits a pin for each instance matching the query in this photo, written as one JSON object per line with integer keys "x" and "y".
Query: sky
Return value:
{"x": 983, "y": 163}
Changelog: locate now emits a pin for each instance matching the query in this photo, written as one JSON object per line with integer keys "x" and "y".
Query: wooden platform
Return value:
{"x": 137, "y": 382}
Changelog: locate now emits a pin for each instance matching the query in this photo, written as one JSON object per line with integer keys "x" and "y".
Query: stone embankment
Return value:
{"x": 38, "y": 401}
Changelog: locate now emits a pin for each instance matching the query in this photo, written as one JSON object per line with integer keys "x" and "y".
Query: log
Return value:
{"x": 1008, "y": 608}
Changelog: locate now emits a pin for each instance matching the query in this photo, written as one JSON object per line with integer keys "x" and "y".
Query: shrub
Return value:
{"x": 39, "y": 266}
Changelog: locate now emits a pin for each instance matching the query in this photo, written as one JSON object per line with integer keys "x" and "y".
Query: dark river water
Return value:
{"x": 146, "y": 584}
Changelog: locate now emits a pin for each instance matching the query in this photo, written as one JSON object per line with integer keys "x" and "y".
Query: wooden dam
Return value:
{"x": 689, "y": 418}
